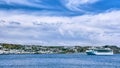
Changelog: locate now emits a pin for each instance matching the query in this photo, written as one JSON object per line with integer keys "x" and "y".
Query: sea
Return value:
{"x": 59, "y": 61}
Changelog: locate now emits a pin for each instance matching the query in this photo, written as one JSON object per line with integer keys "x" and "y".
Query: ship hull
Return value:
{"x": 97, "y": 53}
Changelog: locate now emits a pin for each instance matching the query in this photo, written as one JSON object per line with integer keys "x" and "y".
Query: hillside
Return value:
{"x": 38, "y": 49}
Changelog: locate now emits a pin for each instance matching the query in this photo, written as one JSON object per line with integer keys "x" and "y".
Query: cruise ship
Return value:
{"x": 99, "y": 51}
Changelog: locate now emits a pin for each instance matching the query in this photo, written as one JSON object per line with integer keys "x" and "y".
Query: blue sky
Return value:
{"x": 60, "y": 22}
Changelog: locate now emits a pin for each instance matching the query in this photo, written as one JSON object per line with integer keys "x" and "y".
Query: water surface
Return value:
{"x": 59, "y": 61}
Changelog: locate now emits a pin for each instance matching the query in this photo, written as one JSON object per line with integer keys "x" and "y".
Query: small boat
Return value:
{"x": 99, "y": 51}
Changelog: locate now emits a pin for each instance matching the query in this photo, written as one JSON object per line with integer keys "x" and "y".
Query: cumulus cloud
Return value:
{"x": 100, "y": 28}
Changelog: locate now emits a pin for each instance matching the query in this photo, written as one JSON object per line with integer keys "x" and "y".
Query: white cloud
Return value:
{"x": 14, "y": 1}
{"x": 75, "y": 4}
{"x": 23, "y": 2}
{"x": 27, "y": 20}
{"x": 30, "y": 3}
{"x": 101, "y": 28}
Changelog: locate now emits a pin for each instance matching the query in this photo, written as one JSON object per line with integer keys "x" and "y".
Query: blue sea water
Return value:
{"x": 59, "y": 61}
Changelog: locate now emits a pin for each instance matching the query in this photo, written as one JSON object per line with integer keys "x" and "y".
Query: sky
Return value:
{"x": 60, "y": 22}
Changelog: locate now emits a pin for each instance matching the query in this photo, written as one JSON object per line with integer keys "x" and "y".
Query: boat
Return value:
{"x": 99, "y": 51}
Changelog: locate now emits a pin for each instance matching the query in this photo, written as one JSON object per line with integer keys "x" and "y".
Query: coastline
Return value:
{"x": 6, "y": 48}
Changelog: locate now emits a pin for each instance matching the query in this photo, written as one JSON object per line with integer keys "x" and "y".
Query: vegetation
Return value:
{"x": 52, "y": 49}
{"x": 12, "y": 46}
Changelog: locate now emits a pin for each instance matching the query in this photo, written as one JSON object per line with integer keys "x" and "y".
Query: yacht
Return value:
{"x": 99, "y": 51}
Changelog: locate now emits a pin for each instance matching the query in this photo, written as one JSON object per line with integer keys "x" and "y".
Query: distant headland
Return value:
{"x": 6, "y": 48}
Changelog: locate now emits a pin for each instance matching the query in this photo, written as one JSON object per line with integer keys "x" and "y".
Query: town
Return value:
{"x": 39, "y": 49}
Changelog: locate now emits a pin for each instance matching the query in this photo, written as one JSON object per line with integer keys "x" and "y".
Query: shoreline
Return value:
{"x": 38, "y": 49}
